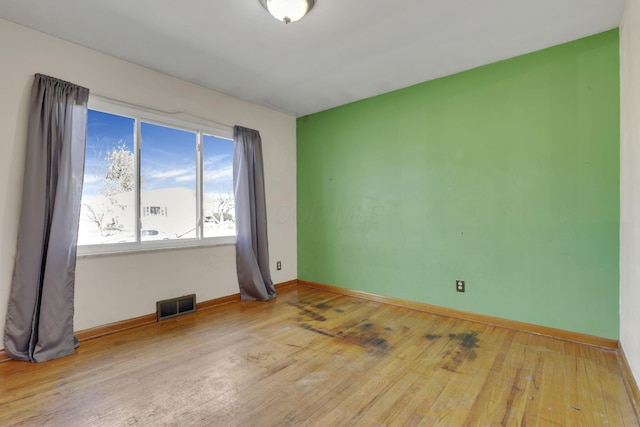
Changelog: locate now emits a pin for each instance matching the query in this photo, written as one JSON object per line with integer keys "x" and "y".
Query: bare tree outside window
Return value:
{"x": 109, "y": 182}
{"x": 118, "y": 180}
{"x": 121, "y": 170}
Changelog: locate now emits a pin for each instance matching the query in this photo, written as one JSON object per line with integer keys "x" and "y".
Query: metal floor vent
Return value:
{"x": 176, "y": 306}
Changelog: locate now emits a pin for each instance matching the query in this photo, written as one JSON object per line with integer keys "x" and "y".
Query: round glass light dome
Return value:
{"x": 287, "y": 10}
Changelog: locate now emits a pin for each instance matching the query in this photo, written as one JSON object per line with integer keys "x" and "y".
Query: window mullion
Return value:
{"x": 138, "y": 185}
{"x": 199, "y": 188}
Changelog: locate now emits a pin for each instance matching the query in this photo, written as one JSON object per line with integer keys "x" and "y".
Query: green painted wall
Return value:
{"x": 505, "y": 176}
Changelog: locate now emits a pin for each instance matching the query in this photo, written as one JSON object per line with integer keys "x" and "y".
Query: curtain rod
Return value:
{"x": 157, "y": 110}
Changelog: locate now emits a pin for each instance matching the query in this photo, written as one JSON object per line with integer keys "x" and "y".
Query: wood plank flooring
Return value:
{"x": 319, "y": 359}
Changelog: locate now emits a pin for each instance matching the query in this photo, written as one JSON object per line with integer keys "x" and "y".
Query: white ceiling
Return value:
{"x": 343, "y": 51}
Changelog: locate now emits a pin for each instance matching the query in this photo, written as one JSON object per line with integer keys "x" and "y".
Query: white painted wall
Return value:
{"x": 142, "y": 278}
{"x": 630, "y": 185}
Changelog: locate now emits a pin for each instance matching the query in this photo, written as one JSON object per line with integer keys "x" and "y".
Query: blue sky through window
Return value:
{"x": 217, "y": 157}
{"x": 168, "y": 158}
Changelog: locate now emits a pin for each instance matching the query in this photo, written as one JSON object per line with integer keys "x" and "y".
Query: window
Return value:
{"x": 152, "y": 181}
{"x": 219, "y": 212}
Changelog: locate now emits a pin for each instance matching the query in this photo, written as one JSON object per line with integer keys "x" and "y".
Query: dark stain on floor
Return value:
{"x": 317, "y": 331}
{"x": 377, "y": 342}
{"x": 368, "y": 335}
{"x": 468, "y": 341}
{"x": 310, "y": 313}
{"x": 462, "y": 348}
{"x": 369, "y": 339}
{"x": 321, "y": 306}
{"x": 359, "y": 332}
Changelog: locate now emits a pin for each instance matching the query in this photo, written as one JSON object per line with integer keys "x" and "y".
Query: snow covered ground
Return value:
{"x": 165, "y": 214}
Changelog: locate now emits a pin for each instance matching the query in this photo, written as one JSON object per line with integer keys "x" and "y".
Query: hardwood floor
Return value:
{"x": 315, "y": 358}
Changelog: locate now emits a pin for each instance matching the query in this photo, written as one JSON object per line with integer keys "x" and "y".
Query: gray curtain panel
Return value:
{"x": 39, "y": 323}
{"x": 252, "y": 248}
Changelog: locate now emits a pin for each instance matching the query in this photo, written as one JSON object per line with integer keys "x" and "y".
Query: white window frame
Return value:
{"x": 199, "y": 128}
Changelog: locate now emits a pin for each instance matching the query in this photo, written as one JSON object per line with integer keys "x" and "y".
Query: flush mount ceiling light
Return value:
{"x": 287, "y": 10}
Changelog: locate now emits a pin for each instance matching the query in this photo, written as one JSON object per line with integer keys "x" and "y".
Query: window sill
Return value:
{"x": 85, "y": 251}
